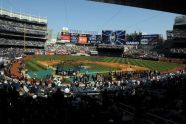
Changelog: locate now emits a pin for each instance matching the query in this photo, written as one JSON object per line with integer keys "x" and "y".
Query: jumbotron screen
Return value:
{"x": 113, "y": 37}
{"x": 83, "y": 39}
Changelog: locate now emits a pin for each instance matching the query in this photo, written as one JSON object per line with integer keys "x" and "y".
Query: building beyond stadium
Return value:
{"x": 22, "y": 31}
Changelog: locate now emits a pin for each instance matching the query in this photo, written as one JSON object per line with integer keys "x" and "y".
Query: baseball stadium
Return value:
{"x": 110, "y": 76}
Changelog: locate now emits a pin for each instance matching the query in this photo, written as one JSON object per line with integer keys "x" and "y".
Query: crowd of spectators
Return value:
{"x": 68, "y": 49}
{"x": 142, "y": 53}
{"x": 11, "y": 52}
{"x": 179, "y": 33}
{"x": 178, "y": 50}
{"x": 21, "y": 30}
{"x": 23, "y": 25}
{"x": 19, "y": 52}
{"x": 14, "y": 42}
{"x": 109, "y": 46}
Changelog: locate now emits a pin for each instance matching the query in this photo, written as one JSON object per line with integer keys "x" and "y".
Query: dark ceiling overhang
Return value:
{"x": 173, "y": 6}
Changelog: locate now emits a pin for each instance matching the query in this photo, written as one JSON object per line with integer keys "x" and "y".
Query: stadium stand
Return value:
{"x": 179, "y": 28}
{"x": 175, "y": 47}
{"x": 22, "y": 31}
{"x": 68, "y": 49}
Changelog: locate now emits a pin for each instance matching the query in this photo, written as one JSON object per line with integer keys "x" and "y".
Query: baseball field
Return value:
{"x": 43, "y": 65}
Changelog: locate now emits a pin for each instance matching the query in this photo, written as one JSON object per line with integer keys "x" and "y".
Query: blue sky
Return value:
{"x": 93, "y": 16}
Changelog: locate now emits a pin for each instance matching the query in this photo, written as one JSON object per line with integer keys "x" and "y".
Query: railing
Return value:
{"x": 158, "y": 120}
{"x": 149, "y": 117}
{"x": 128, "y": 109}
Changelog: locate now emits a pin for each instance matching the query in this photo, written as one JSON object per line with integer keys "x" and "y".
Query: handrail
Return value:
{"x": 129, "y": 109}
{"x": 161, "y": 118}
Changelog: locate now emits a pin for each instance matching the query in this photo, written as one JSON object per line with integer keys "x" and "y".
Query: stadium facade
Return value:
{"x": 177, "y": 43}
{"x": 179, "y": 32}
{"x": 18, "y": 30}
{"x": 179, "y": 28}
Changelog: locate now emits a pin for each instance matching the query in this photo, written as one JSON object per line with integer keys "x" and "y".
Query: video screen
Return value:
{"x": 83, "y": 39}
{"x": 74, "y": 37}
{"x": 113, "y": 37}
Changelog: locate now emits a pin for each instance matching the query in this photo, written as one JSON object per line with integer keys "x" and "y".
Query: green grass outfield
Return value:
{"x": 33, "y": 65}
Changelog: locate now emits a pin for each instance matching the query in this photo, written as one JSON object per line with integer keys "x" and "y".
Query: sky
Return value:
{"x": 93, "y": 16}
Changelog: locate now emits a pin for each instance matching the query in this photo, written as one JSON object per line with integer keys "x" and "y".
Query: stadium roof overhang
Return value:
{"x": 173, "y": 6}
